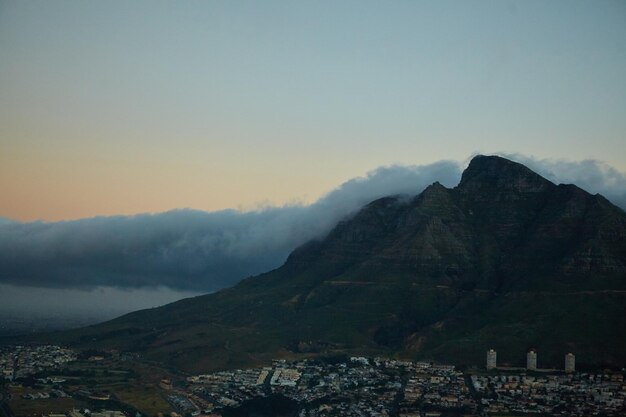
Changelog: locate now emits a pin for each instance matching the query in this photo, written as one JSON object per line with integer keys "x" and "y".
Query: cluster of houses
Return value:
{"x": 357, "y": 387}
{"x": 89, "y": 413}
{"x": 23, "y": 361}
{"x": 572, "y": 394}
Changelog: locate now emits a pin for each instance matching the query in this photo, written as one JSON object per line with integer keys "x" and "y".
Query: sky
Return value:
{"x": 155, "y": 150}
{"x": 117, "y": 107}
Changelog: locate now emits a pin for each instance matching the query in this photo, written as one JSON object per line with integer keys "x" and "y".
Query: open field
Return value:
{"x": 27, "y": 407}
{"x": 147, "y": 399}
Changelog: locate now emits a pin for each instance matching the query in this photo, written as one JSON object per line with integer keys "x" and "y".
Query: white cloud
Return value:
{"x": 204, "y": 251}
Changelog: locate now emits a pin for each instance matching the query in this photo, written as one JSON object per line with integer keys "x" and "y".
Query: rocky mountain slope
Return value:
{"x": 506, "y": 259}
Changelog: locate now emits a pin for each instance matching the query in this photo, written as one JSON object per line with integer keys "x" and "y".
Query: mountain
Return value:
{"x": 505, "y": 260}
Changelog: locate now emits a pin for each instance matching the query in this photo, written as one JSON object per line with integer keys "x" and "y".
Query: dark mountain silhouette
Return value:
{"x": 506, "y": 259}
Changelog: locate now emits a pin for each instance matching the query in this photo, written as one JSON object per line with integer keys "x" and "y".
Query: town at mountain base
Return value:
{"x": 505, "y": 260}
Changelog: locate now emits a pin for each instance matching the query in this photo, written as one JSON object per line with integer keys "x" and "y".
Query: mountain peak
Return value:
{"x": 445, "y": 276}
{"x": 497, "y": 173}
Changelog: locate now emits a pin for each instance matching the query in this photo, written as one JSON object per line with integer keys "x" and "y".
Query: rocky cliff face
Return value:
{"x": 506, "y": 259}
{"x": 502, "y": 227}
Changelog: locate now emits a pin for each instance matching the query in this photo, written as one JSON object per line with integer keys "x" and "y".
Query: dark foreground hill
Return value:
{"x": 506, "y": 259}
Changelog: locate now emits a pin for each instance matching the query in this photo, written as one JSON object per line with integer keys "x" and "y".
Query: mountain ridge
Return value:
{"x": 505, "y": 259}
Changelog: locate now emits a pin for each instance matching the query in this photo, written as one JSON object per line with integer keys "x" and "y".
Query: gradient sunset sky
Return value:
{"x": 121, "y": 107}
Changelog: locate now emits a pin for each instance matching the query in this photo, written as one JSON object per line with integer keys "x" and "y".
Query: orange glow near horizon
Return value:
{"x": 113, "y": 108}
{"x": 52, "y": 186}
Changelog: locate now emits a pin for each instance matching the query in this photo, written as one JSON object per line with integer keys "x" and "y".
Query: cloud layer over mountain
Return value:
{"x": 203, "y": 251}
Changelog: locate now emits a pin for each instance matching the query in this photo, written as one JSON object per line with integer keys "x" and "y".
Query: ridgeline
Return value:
{"x": 505, "y": 260}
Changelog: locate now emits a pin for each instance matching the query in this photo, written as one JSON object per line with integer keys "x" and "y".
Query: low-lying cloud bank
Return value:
{"x": 100, "y": 303}
{"x": 189, "y": 249}
{"x": 204, "y": 251}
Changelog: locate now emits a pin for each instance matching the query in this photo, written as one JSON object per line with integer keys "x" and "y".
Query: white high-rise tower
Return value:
{"x": 531, "y": 360}
{"x": 491, "y": 359}
{"x": 570, "y": 363}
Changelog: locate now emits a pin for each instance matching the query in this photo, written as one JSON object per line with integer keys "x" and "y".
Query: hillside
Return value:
{"x": 506, "y": 259}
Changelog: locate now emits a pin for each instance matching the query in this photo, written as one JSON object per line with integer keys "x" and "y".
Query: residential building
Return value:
{"x": 531, "y": 360}
{"x": 491, "y": 359}
{"x": 570, "y": 363}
